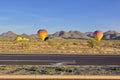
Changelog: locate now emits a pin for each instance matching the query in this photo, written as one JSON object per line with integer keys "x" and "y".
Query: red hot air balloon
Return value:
{"x": 42, "y": 33}
{"x": 98, "y": 35}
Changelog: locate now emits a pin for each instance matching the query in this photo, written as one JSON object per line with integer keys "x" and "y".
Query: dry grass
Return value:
{"x": 59, "y": 70}
{"x": 60, "y": 46}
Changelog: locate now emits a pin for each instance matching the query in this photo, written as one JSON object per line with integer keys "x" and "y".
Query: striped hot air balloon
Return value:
{"x": 42, "y": 33}
{"x": 98, "y": 35}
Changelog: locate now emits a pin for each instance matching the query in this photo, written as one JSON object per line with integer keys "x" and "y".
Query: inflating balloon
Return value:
{"x": 19, "y": 38}
{"x": 98, "y": 35}
{"x": 42, "y": 33}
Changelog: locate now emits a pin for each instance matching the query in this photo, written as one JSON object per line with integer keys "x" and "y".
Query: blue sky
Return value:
{"x": 28, "y": 16}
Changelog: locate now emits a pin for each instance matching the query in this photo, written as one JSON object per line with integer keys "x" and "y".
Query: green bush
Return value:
{"x": 69, "y": 70}
{"x": 115, "y": 68}
{"x": 21, "y": 69}
{"x": 60, "y": 69}
{"x": 92, "y": 43}
{"x": 44, "y": 71}
{"x": 34, "y": 69}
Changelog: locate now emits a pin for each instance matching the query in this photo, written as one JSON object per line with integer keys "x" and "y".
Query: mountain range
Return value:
{"x": 109, "y": 35}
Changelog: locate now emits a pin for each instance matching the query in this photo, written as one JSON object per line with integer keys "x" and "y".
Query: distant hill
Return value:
{"x": 117, "y": 38}
{"x": 25, "y": 35}
{"x": 89, "y": 34}
{"x": 109, "y": 35}
{"x": 12, "y": 35}
{"x": 8, "y": 34}
{"x": 33, "y": 36}
{"x": 70, "y": 35}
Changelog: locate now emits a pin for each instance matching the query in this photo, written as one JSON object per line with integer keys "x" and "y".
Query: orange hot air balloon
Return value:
{"x": 42, "y": 33}
{"x": 98, "y": 35}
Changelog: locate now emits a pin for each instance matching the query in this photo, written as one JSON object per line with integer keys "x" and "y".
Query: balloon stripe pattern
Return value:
{"x": 98, "y": 35}
{"x": 42, "y": 33}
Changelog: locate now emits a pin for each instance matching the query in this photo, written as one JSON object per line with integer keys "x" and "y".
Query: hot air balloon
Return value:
{"x": 19, "y": 38}
{"x": 98, "y": 35}
{"x": 42, "y": 33}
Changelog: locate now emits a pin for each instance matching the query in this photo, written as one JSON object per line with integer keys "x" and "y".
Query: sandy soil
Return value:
{"x": 56, "y": 77}
{"x": 61, "y": 47}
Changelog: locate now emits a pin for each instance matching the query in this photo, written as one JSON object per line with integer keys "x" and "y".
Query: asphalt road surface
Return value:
{"x": 57, "y": 59}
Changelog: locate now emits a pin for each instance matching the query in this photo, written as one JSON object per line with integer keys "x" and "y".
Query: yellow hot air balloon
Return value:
{"x": 98, "y": 35}
{"x": 42, "y": 33}
{"x": 19, "y": 38}
{"x": 25, "y": 39}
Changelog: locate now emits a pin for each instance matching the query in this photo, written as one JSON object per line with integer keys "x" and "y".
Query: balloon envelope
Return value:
{"x": 42, "y": 33}
{"x": 98, "y": 35}
{"x": 19, "y": 38}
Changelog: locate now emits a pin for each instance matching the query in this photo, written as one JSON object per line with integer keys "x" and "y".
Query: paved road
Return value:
{"x": 58, "y": 59}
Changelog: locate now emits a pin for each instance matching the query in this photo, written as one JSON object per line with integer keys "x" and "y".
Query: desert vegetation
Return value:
{"x": 59, "y": 70}
{"x": 60, "y": 46}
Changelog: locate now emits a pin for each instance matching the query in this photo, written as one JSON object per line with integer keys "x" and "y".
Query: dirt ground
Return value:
{"x": 61, "y": 46}
{"x": 58, "y": 77}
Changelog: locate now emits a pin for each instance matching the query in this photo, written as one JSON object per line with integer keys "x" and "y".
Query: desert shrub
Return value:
{"x": 114, "y": 68}
{"x": 69, "y": 70}
{"x": 92, "y": 43}
{"x": 27, "y": 46}
{"x": 60, "y": 69}
{"x": 34, "y": 69}
{"x": 21, "y": 69}
{"x": 44, "y": 71}
{"x": 51, "y": 42}
{"x": 24, "y": 45}
{"x": 2, "y": 67}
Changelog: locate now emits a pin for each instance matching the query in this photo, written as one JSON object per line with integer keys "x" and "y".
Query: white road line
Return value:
{"x": 37, "y": 61}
